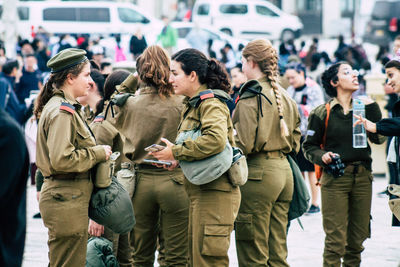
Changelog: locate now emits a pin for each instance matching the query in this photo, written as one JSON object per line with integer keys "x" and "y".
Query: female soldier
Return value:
{"x": 308, "y": 95}
{"x": 346, "y": 200}
{"x": 143, "y": 120}
{"x": 66, "y": 151}
{"x": 213, "y": 206}
{"x": 266, "y": 132}
{"x": 107, "y": 134}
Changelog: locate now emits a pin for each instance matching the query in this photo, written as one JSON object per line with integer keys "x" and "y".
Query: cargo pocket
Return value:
{"x": 66, "y": 194}
{"x": 244, "y": 227}
{"x": 255, "y": 172}
{"x": 177, "y": 178}
{"x": 216, "y": 240}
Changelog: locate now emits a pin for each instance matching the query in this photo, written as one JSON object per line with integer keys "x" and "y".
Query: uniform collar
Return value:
{"x": 69, "y": 99}
{"x": 200, "y": 89}
{"x": 148, "y": 90}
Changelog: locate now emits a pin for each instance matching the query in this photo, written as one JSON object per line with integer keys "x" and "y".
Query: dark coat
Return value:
{"x": 14, "y": 166}
{"x": 391, "y": 127}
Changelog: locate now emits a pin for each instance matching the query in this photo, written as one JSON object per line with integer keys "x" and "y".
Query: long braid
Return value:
{"x": 271, "y": 71}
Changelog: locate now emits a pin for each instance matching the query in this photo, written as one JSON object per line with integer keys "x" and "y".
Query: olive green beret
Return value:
{"x": 66, "y": 59}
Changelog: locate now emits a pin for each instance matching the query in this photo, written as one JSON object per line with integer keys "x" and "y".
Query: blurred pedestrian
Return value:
{"x": 8, "y": 98}
{"x": 265, "y": 131}
{"x": 14, "y": 165}
{"x": 213, "y": 205}
{"x": 168, "y": 36}
{"x": 30, "y": 79}
{"x": 66, "y": 152}
{"x": 238, "y": 79}
{"x": 346, "y": 199}
{"x": 137, "y": 44}
{"x": 308, "y": 95}
{"x": 159, "y": 200}
{"x": 119, "y": 50}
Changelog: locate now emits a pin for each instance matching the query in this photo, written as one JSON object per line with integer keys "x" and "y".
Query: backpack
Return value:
{"x": 301, "y": 196}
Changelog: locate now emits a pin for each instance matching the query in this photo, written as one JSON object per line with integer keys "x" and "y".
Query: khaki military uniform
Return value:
{"x": 160, "y": 197}
{"x": 66, "y": 151}
{"x": 107, "y": 134}
{"x": 346, "y": 200}
{"x": 213, "y": 206}
{"x": 263, "y": 216}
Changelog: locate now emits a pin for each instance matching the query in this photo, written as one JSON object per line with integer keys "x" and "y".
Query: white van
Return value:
{"x": 247, "y": 19}
{"x": 85, "y": 17}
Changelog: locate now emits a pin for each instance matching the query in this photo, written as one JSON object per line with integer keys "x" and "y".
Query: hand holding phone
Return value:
{"x": 154, "y": 148}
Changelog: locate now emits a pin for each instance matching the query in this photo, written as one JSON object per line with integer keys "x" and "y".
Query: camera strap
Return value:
{"x": 319, "y": 169}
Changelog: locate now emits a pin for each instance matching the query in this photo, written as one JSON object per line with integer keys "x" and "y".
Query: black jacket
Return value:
{"x": 14, "y": 166}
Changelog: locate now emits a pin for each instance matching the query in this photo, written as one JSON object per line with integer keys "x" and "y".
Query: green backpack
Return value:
{"x": 301, "y": 196}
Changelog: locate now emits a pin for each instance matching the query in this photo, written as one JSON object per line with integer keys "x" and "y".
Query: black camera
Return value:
{"x": 336, "y": 167}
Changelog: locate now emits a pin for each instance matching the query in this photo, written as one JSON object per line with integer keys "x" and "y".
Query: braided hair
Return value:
{"x": 266, "y": 57}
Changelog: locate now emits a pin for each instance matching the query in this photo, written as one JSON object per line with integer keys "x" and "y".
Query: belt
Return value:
{"x": 271, "y": 154}
{"x": 353, "y": 167}
{"x": 69, "y": 176}
{"x": 146, "y": 166}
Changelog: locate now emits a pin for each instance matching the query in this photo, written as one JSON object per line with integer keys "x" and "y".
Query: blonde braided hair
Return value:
{"x": 262, "y": 53}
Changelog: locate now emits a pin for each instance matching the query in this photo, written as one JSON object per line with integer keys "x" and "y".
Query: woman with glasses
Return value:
{"x": 346, "y": 200}
{"x": 308, "y": 95}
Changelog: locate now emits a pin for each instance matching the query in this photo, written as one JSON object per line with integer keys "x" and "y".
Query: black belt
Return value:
{"x": 146, "y": 166}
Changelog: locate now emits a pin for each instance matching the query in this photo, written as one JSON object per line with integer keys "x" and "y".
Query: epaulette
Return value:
{"x": 67, "y": 107}
{"x": 217, "y": 93}
{"x": 120, "y": 99}
{"x": 250, "y": 89}
{"x": 98, "y": 118}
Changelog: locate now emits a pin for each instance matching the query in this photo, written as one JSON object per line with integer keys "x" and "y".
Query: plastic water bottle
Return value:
{"x": 359, "y": 134}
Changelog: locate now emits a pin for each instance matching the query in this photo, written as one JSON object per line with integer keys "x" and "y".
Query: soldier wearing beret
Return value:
{"x": 66, "y": 151}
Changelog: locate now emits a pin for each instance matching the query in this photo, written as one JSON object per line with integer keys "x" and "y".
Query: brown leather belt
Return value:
{"x": 69, "y": 176}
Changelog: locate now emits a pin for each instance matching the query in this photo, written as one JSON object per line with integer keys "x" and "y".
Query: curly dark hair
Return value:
{"x": 331, "y": 74}
{"x": 210, "y": 72}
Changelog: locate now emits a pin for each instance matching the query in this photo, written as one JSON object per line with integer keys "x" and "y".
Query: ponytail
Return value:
{"x": 44, "y": 96}
{"x": 210, "y": 72}
{"x": 217, "y": 76}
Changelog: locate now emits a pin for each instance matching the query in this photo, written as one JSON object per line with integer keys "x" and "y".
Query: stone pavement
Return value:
{"x": 305, "y": 246}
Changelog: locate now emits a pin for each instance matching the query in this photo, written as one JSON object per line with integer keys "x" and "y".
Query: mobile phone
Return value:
{"x": 154, "y": 148}
{"x": 158, "y": 162}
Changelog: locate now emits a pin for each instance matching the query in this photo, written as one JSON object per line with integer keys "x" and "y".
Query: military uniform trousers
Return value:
{"x": 213, "y": 209}
{"x": 160, "y": 198}
{"x": 121, "y": 247}
{"x": 346, "y": 208}
{"x": 64, "y": 208}
{"x": 263, "y": 215}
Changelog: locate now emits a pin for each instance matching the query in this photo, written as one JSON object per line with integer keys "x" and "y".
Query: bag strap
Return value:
{"x": 328, "y": 112}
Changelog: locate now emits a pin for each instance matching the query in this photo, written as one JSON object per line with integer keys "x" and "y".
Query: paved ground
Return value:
{"x": 305, "y": 246}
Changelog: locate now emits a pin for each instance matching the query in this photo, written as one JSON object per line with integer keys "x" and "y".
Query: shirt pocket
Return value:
{"x": 84, "y": 139}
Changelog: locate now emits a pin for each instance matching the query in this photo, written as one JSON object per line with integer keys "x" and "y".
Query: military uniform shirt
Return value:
{"x": 64, "y": 142}
{"x": 216, "y": 128}
{"x": 256, "y": 133}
